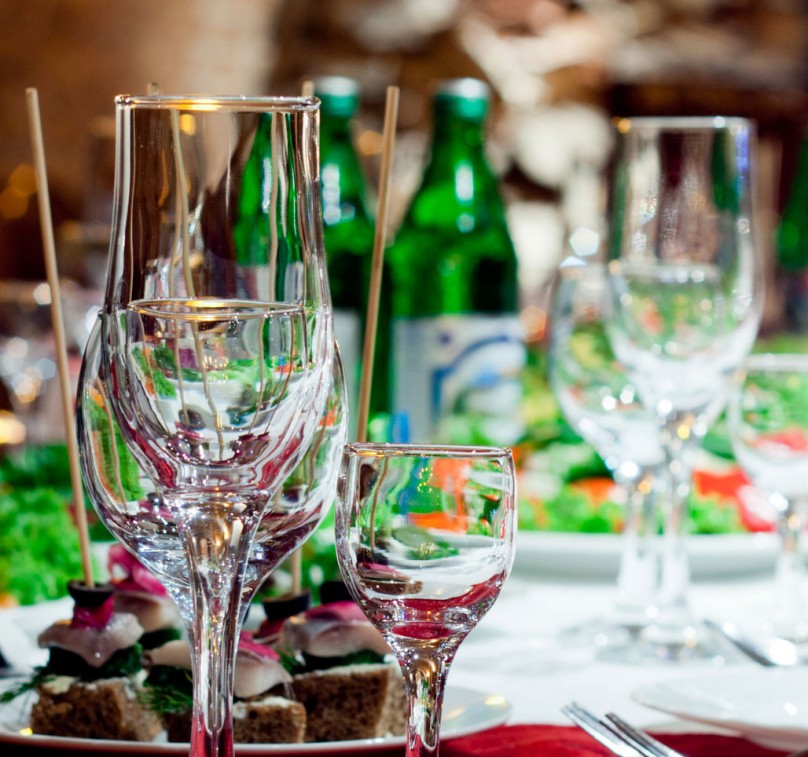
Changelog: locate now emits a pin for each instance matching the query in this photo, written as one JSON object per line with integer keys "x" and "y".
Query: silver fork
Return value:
{"x": 624, "y": 739}
{"x": 617, "y": 735}
{"x": 644, "y": 742}
{"x": 599, "y": 731}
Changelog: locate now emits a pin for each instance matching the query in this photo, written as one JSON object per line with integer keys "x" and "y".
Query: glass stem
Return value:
{"x": 217, "y": 549}
{"x": 425, "y": 669}
{"x": 637, "y": 577}
{"x": 673, "y": 604}
{"x": 790, "y": 617}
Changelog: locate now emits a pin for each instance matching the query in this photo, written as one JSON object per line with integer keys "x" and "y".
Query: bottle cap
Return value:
{"x": 339, "y": 95}
{"x": 465, "y": 97}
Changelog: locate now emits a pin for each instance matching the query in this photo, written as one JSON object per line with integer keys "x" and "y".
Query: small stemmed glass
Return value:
{"x": 425, "y": 539}
{"x": 768, "y": 423}
{"x": 603, "y": 406}
{"x": 215, "y": 357}
{"x": 687, "y": 286}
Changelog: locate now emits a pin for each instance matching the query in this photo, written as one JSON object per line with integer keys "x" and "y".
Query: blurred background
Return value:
{"x": 559, "y": 71}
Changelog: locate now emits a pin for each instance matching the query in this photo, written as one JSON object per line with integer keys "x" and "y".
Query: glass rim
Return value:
{"x": 628, "y": 124}
{"x": 208, "y": 308}
{"x": 380, "y": 449}
{"x": 775, "y": 361}
{"x": 217, "y": 103}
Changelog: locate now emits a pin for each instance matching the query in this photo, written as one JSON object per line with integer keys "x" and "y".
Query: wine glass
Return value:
{"x": 687, "y": 285}
{"x": 425, "y": 539}
{"x": 216, "y": 349}
{"x": 132, "y": 508}
{"x": 768, "y": 423}
{"x": 602, "y": 405}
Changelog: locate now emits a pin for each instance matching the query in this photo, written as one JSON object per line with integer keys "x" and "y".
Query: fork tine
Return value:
{"x": 597, "y": 730}
{"x": 640, "y": 738}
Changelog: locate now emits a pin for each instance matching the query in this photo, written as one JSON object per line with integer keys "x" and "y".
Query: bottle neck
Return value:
{"x": 455, "y": 140}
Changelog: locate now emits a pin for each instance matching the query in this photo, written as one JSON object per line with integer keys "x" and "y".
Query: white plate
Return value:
{"x": 464, "y": 712}
{"x": 598, "y": 555}
{"x": 767, "y": 705}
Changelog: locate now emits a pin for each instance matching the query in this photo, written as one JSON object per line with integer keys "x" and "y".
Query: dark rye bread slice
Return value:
{"x": 104, "y": 709}
{"x": 262, "y": 720}
{"x": 363, "y": 701}
{"x": 272, "y": 720}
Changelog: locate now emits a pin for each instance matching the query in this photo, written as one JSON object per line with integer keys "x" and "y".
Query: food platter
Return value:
{"x": 598, "y": 555}
{"x": 465, "y": 712}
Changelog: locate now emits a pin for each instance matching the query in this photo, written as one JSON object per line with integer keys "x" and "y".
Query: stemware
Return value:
{"x": 602, "y": 405}
{"x": 215, "y": 351}
{"x": 132, "y": 508}
{"x": 425, "y": 540}
{"x": 768, "y": 423}
{"x": 687, "y": 286}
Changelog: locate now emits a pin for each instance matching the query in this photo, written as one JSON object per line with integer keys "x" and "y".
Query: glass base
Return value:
{"x": 608, "y": 639}
{"x": 689, "y": 643}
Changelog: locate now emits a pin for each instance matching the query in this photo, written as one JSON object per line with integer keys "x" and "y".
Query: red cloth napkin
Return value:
{"x": 570, "y": 741}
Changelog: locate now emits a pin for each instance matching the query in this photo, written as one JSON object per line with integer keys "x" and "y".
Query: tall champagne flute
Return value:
{"x": 687, "y": 283}
{"x": 425, "y": 539}
{"x": 216, "y": 344}
{"x": 768, "y": 423}
{"x": 602, "y": 405}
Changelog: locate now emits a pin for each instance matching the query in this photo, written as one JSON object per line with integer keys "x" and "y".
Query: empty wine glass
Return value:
{"x": 132, "y": 508}
{"x": 216, "y": 349}
{"x": 688, "y": 287}
{"x": 425, "y": 541}
{"x": 602, "y": 405}
{"x": 768, "y": 422}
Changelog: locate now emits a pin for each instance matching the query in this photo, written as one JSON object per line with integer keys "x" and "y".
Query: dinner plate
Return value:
{"x": 465, "y": 711}
{"x": 598, "y": 555}
{"x": 766, "y": 705}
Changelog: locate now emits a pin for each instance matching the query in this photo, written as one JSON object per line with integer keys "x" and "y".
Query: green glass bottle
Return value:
{"x": 458, "y": 347}
{"x": 792, "y": 248}
{"x": 348, "y": 227}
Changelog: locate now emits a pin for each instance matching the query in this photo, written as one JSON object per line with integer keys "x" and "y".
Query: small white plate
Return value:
{"x": 598, "y": 555}
{"x": 464, "y": 712}
{"x": 766, "y": 705}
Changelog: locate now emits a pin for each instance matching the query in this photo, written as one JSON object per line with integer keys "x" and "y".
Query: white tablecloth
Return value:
{"x": 515, "y": 651}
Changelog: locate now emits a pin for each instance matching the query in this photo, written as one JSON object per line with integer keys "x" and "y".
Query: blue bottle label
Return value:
{"x": 458, "y": 378}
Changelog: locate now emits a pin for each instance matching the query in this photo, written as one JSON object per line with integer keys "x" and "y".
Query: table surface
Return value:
{"x": 517, "y": 652}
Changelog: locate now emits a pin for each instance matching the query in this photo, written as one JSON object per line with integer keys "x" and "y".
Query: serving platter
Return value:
{"x": 465, "y": 712}
{"x": 598, "y": 555}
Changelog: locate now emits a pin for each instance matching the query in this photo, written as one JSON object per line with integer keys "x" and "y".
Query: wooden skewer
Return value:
{"x": 46, "y": 225}
{"x": 377, "y": 262}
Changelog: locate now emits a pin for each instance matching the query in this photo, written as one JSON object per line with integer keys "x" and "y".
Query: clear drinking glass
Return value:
{"x": 687, "y": 284}
{"x": 768, "y": 422}
{"x": 602, "y": 405}
{"x": 131, "y": 506}
{"x": 215, "y": 351}
{"x": 425, "y": 539}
